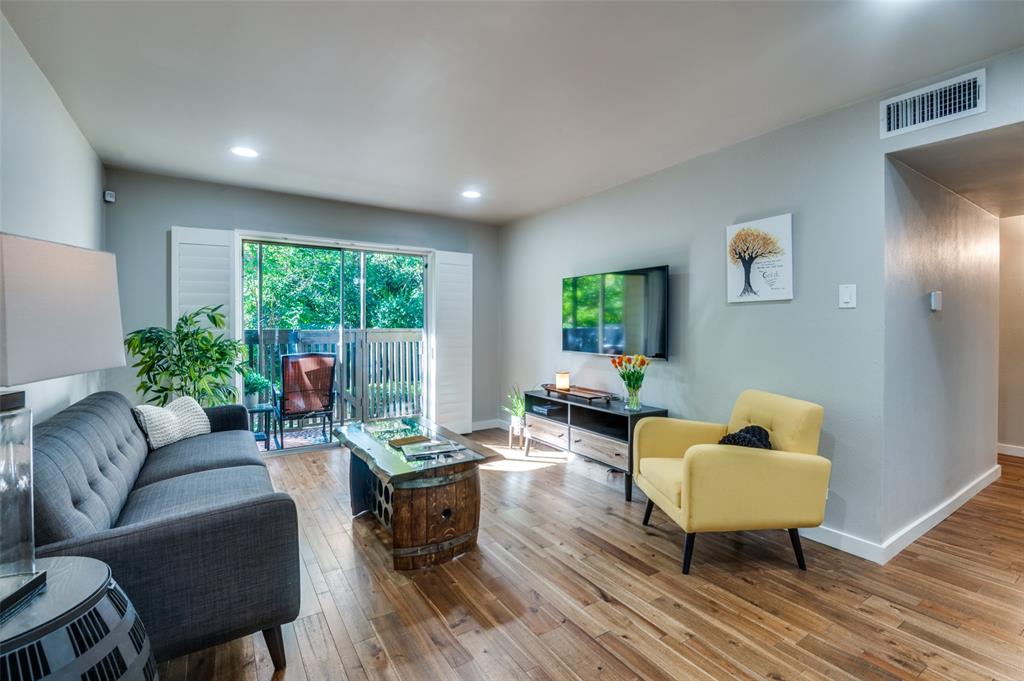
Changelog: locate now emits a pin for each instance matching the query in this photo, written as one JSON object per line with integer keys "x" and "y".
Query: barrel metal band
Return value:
{"x": 417, "y": 483}
{"x": 427, "y": 549}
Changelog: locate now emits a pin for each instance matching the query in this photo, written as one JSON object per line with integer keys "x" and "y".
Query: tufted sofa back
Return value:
{"x": 86, "y": 460}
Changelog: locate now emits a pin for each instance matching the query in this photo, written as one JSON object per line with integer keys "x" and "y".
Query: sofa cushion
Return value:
{"x": 194, "y": 493}
{"x": 180, "y": 419}
{"x": 86, "y": 460}
{"x": 666, "y": 475}
{"x": 201, "y": 453}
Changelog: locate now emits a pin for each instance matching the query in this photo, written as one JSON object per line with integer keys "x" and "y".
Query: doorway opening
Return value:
{"x": 338, "y": 334}
{"x": 953, "y": 345}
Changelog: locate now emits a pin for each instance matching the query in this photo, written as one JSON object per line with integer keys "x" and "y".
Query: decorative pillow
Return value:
{"x": 180, "y": 419}
{"x": 751, "y": 436}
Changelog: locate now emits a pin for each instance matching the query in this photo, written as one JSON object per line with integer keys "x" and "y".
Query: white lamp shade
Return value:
{"x": 60, "y": 313}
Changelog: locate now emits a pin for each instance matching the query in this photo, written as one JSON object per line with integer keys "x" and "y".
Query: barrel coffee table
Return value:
{"x": 431, "y": 507}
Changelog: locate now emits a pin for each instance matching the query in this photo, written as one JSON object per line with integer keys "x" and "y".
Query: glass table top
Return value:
{"x": 371, "y": 440}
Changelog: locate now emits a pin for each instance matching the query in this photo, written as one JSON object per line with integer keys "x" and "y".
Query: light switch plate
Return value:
{"x": 847, "y": 295}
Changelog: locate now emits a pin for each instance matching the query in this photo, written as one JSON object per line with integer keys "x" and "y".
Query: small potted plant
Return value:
{"x": 255, "y": 384}
{"x": 516, "y": 408}
{"x": 631, "y": 369}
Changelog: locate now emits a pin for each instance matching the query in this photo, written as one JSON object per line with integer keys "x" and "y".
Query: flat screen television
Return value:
{"x": 617, "y": 313}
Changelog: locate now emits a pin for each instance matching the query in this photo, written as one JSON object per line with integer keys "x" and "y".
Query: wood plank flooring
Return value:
{"x": 566, "y": 584}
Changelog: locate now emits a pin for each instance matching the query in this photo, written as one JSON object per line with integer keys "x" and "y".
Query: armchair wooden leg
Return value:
{"x": 647, "y": 512}
{"x": 794, "y": 537}
{"x": 275, "y": 644}
{"x": 688, "y": 551}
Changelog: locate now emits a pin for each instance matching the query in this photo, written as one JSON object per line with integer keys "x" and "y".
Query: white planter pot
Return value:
{"x": 250, "y": 400}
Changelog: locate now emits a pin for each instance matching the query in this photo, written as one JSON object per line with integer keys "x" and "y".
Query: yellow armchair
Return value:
{"x": 707, "y": 487}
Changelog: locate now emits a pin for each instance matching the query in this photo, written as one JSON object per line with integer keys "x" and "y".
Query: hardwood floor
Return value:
{"x": 567, "y": 584}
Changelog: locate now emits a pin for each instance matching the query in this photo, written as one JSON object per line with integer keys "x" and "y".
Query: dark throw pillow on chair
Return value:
{"x": 751, "y": 436}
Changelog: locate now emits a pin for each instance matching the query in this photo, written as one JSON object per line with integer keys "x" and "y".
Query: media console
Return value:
{"x": 600, "y": 431}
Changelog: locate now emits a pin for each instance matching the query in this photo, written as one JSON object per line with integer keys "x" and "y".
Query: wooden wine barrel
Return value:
{"x": 431, "y": 508}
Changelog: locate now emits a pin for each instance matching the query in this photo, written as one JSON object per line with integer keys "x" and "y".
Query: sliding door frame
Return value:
{"x": 362, "y": 247}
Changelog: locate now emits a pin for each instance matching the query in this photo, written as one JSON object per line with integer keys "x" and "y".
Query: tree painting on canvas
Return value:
{"x": 759, "y": 260}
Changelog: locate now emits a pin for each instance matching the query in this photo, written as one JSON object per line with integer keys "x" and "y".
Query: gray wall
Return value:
{"x": 50, "y": 184}
{"x": 941, "y": 379}
{"x": 825, "y": 173}
{"x": 138, "y": 227}
{"x": 1011, "y": 331}
{"x": 830, "y": 173}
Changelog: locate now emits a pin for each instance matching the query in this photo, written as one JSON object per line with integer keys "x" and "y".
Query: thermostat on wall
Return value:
{"x": 109, "y": 196}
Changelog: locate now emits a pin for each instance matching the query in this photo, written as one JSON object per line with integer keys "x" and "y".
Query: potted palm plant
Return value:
{"x": 254, "y": 385}
{"x": 194, "y": 358}
{"x": 516, "y": 408}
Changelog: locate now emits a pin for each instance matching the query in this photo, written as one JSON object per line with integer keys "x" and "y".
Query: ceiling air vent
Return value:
{"x": 938, "y": 103}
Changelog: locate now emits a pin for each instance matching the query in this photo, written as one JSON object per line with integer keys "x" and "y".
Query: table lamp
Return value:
{"x": 59, "y": 316}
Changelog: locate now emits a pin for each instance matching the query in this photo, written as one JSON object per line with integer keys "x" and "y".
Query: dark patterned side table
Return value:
{"x": 82, "y": 626}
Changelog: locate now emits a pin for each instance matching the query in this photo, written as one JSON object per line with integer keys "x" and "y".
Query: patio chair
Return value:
{"x": 307, "y": 390}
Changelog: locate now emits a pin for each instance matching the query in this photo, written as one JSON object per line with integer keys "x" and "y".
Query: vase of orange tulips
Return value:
{"x": 632, "y": 369}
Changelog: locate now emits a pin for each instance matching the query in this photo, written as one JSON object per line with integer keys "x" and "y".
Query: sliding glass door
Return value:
{"x": 367, "y": 308}
{"x": 384, "y": 300}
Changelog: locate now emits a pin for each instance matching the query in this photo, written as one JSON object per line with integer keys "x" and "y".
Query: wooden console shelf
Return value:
{"x": 598, "y": 430}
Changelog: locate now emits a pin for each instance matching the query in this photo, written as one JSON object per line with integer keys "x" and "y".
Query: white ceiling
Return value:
{"x": 987, "y": 168}
{"x": 535, "y": 103}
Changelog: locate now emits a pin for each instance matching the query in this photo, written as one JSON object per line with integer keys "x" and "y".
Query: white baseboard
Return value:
{"x": 491, "y": 423}
{"x": 1010, "y": 450}
{"x": 884, "y": 552}
{"x": 847, "y": 543}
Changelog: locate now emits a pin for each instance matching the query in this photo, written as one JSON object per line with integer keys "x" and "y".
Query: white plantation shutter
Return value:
{"x": 451, "y": 340}
{"x": 205, "y": 271}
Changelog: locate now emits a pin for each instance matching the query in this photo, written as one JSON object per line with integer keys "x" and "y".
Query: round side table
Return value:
{"x": 82, "y": 626}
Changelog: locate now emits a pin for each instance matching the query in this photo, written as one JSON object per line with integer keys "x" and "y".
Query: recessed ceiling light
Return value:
{"x": 471, "y": 194}
{"x": 244, "y": 152}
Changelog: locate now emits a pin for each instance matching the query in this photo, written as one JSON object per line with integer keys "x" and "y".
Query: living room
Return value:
{"x": 454, "y": 223}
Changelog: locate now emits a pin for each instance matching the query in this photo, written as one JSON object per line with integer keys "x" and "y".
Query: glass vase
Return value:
{"x": 633, "y": 399}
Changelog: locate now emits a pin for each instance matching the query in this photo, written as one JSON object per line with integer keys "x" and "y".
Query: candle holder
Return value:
{"x": 562, "y": 380}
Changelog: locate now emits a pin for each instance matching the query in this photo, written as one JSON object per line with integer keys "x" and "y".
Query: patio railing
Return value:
{"x": 393, "y": 382}
{"x": 381, "y": 372}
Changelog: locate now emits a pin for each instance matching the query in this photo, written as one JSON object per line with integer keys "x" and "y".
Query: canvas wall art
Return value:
{"x": 759, "y": 260}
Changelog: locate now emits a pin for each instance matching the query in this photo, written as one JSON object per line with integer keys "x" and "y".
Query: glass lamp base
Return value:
{"x": 19, "y": 578}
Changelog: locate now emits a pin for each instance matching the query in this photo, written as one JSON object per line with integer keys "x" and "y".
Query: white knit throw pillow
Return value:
{"x": 180, "y": 419}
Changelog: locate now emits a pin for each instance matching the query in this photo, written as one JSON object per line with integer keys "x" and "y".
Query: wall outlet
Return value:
{"x": 847, "y": 295}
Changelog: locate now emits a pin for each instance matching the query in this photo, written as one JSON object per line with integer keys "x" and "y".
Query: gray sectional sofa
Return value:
{"x": 193, "y": 532}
